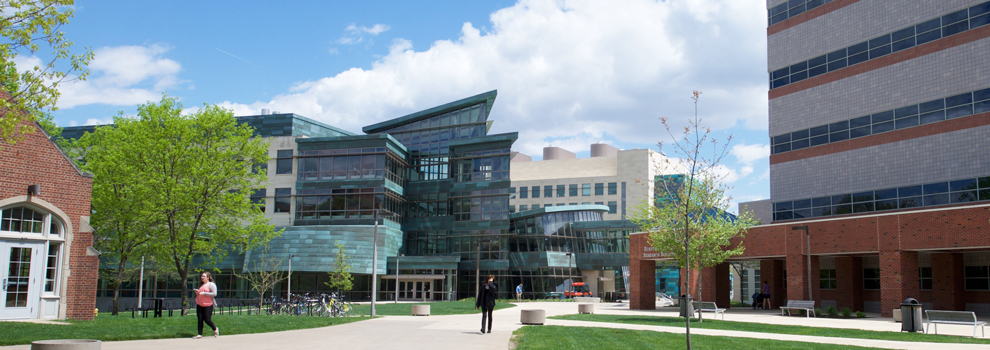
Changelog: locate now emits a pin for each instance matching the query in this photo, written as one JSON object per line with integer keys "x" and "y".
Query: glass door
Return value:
{"x": 20, "y": 270}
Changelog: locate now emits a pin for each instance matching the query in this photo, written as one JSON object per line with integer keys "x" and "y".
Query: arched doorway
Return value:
{"x": 31, "y": 242}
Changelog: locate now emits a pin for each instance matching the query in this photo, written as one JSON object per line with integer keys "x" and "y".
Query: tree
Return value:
{"x": 120, "y": 193}
{"x": 264, "y": 275}
{"x": 24, "y": 24}
{"x": 689, "y": 222}
{"x": 192, "y": 175}
{"x": 340, "y": 278}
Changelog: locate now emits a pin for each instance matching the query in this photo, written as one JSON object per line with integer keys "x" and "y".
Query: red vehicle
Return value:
{"x": 578, "y": 289}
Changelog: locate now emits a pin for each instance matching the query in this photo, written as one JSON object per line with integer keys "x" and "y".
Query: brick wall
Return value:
{"x": 642, "y": 276}
{"x": 34, "y": 160}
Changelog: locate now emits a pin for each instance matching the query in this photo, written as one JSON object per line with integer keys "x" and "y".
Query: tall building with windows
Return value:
{"x": 880, "y": 170}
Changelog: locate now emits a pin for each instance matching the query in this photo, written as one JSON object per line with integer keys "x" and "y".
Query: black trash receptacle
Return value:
{"x": 911, "y": 315}
{"x": 685, "y": 305}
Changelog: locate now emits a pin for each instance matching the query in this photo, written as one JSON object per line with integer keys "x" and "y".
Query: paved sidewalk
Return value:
{"x": 462, "y": 331}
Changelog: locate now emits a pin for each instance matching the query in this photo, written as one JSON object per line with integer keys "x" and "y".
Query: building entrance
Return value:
{"x": 21, "y": 264}
{"x": 415, "y": 290}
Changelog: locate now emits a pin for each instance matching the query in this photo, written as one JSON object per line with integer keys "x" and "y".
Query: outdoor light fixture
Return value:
{"x": 34, "y": 190}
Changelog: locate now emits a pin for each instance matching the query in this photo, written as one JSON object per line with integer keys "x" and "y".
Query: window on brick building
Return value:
{"x": 871, "y": 279}
{"x": 977, "y": 277}
{"x": 925, "y": 278}
{"x": 283, "y": 164}
{"x": 826, "y": 279}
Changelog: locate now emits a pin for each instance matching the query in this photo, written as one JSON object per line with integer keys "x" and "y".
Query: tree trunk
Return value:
{"x": 116, "y": 289}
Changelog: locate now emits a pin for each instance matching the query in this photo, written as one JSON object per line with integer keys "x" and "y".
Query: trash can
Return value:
{"x": 685, "y": 304}
{"x": 911, "y": 315}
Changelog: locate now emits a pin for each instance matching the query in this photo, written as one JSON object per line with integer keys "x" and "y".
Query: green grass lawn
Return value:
{"x": 436, "y": 308}
{"x": 769, "y": 328}
{"x": 558, "y": 337}
{"x": 123, "y": 327}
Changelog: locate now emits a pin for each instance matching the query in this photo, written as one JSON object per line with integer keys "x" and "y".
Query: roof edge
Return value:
{"x": 464, "y": 102}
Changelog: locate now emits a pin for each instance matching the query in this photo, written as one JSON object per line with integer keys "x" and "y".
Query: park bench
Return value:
{"x": 708, "y": 306}
{"x": 954, "y": 317}
{"x": 807, "y": 305}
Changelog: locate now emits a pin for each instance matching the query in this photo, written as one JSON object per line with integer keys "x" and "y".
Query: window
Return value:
{"x": 512, "y": 209}
{"x": 560, "y": 204}
{"x": 977, "y": 277}
{"x": 925, "y": 278}
{"x": 282, "y": 200}
{"x": 512, "y": 193}
{"x": 612, "y": 206}
{"x": 260, "y": 168}
{"x": 51, "y": 268}
{"x": 536, "y": 191}
{"x": 599, "y": 203}
{"x": 871, "y": 279}
{"x": 21, "y": 219}
{"x": 523, "y": 192}
{"x": 585, "y": 189}
{"x": 561, "y": 191}
{"x": 523, "y": 207}
{"x": 258, "y": 197}
{"x": 600, "y": 189}
{"x": 536, "y": 206}
{"x": 573, "y": 189}
{"x": 548, "y": 191}
{"x": 586, "y": 203}
{"x": 612, "y": 188}
{"x": 826, "y": 279}
{"x": 283, "y": 164}
{"x": 572, "y": 204}
{"x": 55, "y": 227}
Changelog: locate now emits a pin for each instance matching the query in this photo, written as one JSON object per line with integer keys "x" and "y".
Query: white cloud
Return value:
{"x": 123, "y": 75}
{"x": 355, "y": 34}
{"x": 567, "y": 70}
{"x": 747, "y": 154}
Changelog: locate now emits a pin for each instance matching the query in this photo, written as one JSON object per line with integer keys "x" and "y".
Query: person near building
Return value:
{"x": 486, "y": 301}
{"x": 519, "y": 292}
{"x": 204, "y": 303}
{"x": 766, "y": 295}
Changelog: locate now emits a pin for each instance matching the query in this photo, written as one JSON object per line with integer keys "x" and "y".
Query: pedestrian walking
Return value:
{"x": 766, "y": 295}
{"x": 486, "y": 301}
{"x": 204, "y": 304}
{"x": 519, "y": 292}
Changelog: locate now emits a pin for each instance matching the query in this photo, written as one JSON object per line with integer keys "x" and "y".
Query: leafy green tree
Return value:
{"x": 26, "y": 25}
{"x": 689, "y": 221}
{"x": 340, "y": 278}
{"x": 184, "y": 181}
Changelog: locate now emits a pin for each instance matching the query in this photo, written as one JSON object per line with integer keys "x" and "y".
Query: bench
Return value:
{"x": 807, "y": 305}
{"x": 708, "y": 306}
{"x": 953, "y": 317}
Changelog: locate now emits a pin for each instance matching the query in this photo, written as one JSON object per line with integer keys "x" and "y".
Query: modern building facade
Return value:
{"x": 880, "y": 170}
{"x": 48, "y": 267}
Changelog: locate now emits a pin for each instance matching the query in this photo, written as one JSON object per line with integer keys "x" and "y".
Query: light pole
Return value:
{"x": 141, "y": 285}
{"x": 807, "y": 236}
{"x": 569, "y": 274}
{"x": 397, "y": 277}
{"x": 374, "y": 263}
{"x": 288, "y": 287}
{"x": 477, "y": 268}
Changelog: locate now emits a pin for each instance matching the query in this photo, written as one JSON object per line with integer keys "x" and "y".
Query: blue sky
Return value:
{"x": 569, "y": 73}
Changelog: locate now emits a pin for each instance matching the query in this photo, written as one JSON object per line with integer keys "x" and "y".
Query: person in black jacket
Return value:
{"x": 486, "y": 301}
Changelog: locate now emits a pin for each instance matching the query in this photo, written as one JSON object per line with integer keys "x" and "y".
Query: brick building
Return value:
{"x": 47, "y": 265}
{"x": 880, "y": 170}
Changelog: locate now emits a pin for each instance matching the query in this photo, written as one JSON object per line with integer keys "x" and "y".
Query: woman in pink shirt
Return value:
{"x": 204, "y": 303}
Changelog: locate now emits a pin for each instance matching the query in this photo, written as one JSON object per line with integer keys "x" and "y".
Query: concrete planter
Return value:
{"x": 66, "y": 344}
{"x": 587, "y": 300}
{"x": 420, "y": 310}
{"x": 897, "y": 315}
{"x": 586, "y": 308}
{"x": 537, "y": 317}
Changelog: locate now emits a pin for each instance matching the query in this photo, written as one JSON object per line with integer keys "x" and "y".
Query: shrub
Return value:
{"x": 832, "y": 311}
{"x": 860, "y": 314}
{"x": 802, "y": 312}
{"x": 818, "y": 311}
{"x": 846, "y": 312}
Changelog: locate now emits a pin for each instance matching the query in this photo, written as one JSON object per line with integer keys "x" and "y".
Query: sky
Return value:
{"x": 568, "y": 73}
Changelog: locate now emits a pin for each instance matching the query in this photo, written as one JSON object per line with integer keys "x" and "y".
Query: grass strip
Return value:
{"x": 772, "y": 328}
{"x": 559, "y": 337}
{"x": 114, "y": 328}
{"x": 438, "y": 308}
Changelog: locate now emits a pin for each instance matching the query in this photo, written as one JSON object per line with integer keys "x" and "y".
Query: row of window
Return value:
{"x": 470, "y": 114}
{"x": 25, "y": 220}
{"x": 481, "y": 208}
{"x": 976, "y": 278}
{"x": 612, "y": 206}
{"x": 951, "y": 107}
{"x": 936, "y": 193}
{"x": 488, "y": 168}
{"x": 368, "y": 166}
{"x": 566, "y": 190}
{"x": 931, "y": 30}
{"x": 792, "y": 8}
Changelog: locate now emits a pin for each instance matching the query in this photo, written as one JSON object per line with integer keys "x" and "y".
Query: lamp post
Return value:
{"x": 569, "y": 274}
{"x": 397, "y": 277}
{"x": 374, "y": 264}
{"x": 807, "y": 236}
{"x": 288, "y": 287}
{"x": 477, "y": 268}
{"x": 141, "y": 285}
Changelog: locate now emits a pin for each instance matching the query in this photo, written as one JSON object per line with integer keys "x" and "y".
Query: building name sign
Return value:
{"x": 651, "y": 253}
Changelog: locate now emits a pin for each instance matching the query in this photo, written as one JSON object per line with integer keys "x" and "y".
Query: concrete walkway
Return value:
{"x": 462, "y": 331}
